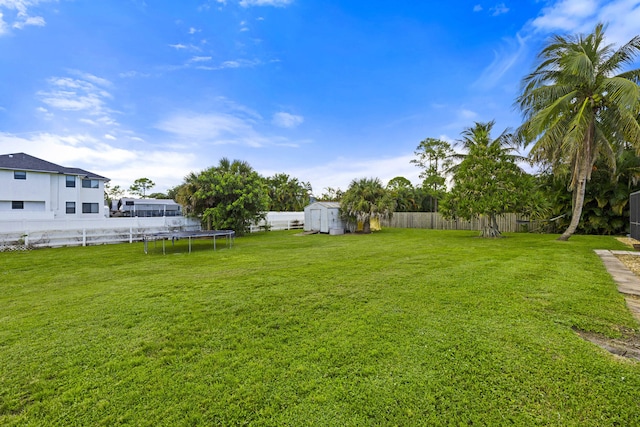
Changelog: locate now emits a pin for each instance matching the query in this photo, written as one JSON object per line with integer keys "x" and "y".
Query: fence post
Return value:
{"x": 130, "y": 234}
{"x": 84, "y": 237}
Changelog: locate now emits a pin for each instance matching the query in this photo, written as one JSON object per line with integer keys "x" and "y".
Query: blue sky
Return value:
{"x": 324, "y": 91}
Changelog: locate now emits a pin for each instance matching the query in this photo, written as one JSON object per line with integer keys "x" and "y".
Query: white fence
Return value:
{"x": 280, "y": 221}
{"x": 24, "y": 233}
{"x": 31, "y": 233}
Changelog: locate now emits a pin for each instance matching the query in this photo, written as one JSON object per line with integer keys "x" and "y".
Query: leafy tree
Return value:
{"x": 577, "y": 110}
{"x": 404, "y": 195}
{"x": 140, "y": 187}
{"x": 365, "y": 199}
{"x": 487, "y": 182}
{"x": 606, "y": 200}
{"x": 331, "y": 195}
{"x": 158, "y": 196}
{"x": 112, "y": 193}
{"x": 228, "y": 196}
{"x": 434, "y": 156}
{"x": 287, "y": 194}
{"x": 186, "y": 194}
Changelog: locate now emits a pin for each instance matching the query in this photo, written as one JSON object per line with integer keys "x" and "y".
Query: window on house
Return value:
{"x": 71, "y": 207}
{"x": 71, "y": 181}
{"x": 90, "y": 183}
{"x": 17, "y": 205}
{"x": 90, "y": 208}
{"x": 19, "y": 175}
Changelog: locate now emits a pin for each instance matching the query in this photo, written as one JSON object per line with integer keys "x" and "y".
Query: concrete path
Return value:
{"x": 628, "y": 283}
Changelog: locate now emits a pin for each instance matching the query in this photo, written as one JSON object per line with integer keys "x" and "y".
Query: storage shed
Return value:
{"x": 324, "y": 217}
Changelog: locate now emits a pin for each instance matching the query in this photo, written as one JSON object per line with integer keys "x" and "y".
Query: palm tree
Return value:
{"x": 577, "y": 110}
{"x": 365, "y": 199}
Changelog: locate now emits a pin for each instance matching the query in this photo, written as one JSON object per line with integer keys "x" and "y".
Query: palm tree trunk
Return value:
{"x": 366, "y": 226}
{"x": 583, "y": 173}
{"x": 577, "y": 208}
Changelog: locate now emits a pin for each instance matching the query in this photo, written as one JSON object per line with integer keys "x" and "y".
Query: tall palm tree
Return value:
{"x": 577, "y": 109}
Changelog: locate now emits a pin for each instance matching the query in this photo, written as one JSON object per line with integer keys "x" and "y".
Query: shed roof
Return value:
{"x": 326, "y": 204}
{"x": 25, "y": 162}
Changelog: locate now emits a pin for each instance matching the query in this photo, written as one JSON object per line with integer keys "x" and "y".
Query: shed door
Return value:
{"x": 316, "y": 215}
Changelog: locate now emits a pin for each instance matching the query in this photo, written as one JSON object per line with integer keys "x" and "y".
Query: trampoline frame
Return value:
{"x": 229, "y": 236}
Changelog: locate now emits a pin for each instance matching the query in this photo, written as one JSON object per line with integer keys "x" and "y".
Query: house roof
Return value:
{"x": 25, "y": 162}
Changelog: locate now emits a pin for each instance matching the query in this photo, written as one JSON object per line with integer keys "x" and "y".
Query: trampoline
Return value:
{"x": 229, "y": 236}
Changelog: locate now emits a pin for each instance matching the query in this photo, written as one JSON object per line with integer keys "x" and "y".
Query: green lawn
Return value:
{"x": 401, "y": 327}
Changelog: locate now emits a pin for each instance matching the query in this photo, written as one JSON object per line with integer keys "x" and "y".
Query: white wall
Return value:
{"x": 47, "y": 194}
{"x": 33, "y": 189}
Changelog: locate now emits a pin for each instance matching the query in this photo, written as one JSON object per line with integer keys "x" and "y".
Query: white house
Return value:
{"x": 32, "y": 188}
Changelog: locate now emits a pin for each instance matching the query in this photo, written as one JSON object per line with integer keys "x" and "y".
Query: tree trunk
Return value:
{"x": 366, "y": 226}
{"x": 576, "y": 214}
{"x": 584, "y": 172}
{"x": 490, "y": 229}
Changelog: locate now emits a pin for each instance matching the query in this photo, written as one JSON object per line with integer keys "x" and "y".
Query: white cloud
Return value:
{"x": 276, "y": 3}
{"x": 477, "y": 8}
{"x": 511, "y": 53}
{"x": 234, "y": 126}
{"x": 4, "y": 28}
{"x": 206, "y": 127}
{"x": 581, "y": 16}
{"x": 201, "y": 59}
{"x": 83, "y": 98}
{"x": 339, "y": 172}
{"x": 623, "y": 18}
{"x": 499, "y": 9}
{"x": 189, "y": 47}
{"x": 193, "y": 30}
{"x": 20, "y": 14}
{"x": 133, "y": 74}
{"x": 70, "y": 94}
{"x": 287, "y": 120}
{"x": 567, "y": 15}
{"x": 37, "y": 21}
{"x": 238, "y": 63}
{"x": 467, "y": 114}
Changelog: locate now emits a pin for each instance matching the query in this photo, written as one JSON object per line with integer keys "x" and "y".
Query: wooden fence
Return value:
{"x": 506, "y": 223}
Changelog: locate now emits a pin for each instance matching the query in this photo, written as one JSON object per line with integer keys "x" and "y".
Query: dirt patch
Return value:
{"x": 628, "y": 241}
{"x": 632, "y": 262}
{"x": 627, "y": 346}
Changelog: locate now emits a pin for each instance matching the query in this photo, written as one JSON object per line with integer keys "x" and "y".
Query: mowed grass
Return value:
{"x": 400, "y": 327}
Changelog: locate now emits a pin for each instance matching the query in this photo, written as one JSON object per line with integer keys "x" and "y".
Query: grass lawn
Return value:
{"x": 400, "y": 327}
